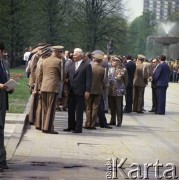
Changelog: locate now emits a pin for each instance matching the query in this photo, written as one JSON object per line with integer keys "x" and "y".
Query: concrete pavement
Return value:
{"x": 143, "y": 138}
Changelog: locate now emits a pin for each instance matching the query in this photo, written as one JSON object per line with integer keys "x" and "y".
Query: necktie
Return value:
{"x": 76, "y": 66}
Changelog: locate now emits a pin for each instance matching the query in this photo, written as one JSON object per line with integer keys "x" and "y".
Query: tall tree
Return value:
{"x": 139, "y": 30}
{"x": 98, "y": 21}
{"x": 11, "y": 22}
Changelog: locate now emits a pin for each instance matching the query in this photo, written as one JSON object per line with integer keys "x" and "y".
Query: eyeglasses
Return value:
{"x": 154, "y": 62}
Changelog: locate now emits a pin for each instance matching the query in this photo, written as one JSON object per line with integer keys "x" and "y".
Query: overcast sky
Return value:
{"x": 135, "y": 8}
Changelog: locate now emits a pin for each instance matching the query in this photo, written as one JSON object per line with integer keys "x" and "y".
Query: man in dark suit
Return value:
{"x": 155, "y": 63}
{"x": 161, "y": 79}
{"x": 79, "y": 77}
{"x": 4, "y": 76}
{"x": 131, "y": 67}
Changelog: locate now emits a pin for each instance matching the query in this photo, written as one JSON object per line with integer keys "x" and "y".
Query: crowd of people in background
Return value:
{"x": 94, "y": 82}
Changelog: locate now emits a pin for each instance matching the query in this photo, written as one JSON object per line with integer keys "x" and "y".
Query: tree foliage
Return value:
{"x": 88, "y": 24}
{"x": 139, "y": 30}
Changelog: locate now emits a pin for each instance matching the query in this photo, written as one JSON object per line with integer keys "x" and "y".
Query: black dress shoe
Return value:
{"x": 31, "y": 123}
{"x": 67, "y": 129}
{"x": 45, "y": 131}
{"x": 160, "y": 113}
{"x": 127, "y": 111}
{"x": 76, "y": 131}
{"x": 53, "y": 132}
{"x": 86, "y": 127}
{"x": 4, "y": 165}
{"x": 152, "y": 111}
{"x": 113, "y": 124}
{"x": 1, "y": 169}
{"x": 107, "y": 127}
{"x": 38, "y": 128}
{"x": 93, "y": 128}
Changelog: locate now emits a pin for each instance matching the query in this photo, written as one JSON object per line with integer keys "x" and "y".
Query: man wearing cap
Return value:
{"x": 52, "y": 71}
{"x": 140, "y": 82}
{"x": 32, "y": 79}
{"x": 46, "y": 52}
{"x": 161, "y": 79}
{"x": 118, "y": 80}
{"x": 79, "y": 77}
{"x": 92, "y": 103}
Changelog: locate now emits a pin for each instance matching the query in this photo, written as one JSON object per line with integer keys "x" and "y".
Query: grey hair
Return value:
{"x": 79, "y": 51}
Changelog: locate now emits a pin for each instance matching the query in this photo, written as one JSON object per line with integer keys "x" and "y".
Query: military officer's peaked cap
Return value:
{"x": 57, "y": 48}
{"x": 115, "y": 58}
{"x": 98, "y": 56}
{"x": 36, "y": 49}
{"x": 141, "y": 57}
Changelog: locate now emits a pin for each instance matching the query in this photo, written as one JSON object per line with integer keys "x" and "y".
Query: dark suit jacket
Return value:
{"x": 3, "y": 79}
{"x": 79, "y": 81}
{"x": 161, "y": 75}
{"x": 131, "y": 67}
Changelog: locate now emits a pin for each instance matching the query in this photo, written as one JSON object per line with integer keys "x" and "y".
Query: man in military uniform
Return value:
{"x": 52, "y": 70}
{"x": 92, "y": 103}
{"x": 140, "y": 81}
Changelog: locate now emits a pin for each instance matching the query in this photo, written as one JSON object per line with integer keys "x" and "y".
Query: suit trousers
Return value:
{"x": 138, "y": 98}
{"x": 161, "y": 100}
{"x": 92, "y": 109}
{"x": 3, "y": 104}
{"x": 33, "y": 108}
{"x": 38, "y": 121}
{"x": 76, "y": 105}
{"x": 101, "y": 113}
{"x": 116, "y": 108}
{"x": 48, "y": 110}
{"x": 129, "y": 98}
{"x": 154, "y": 98}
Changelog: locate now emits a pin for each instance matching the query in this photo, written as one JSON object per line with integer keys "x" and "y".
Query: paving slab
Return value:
{"x": 142, "y": 139}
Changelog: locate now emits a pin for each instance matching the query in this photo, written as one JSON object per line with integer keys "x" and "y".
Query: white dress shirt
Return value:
{"x": 77, "y": 64}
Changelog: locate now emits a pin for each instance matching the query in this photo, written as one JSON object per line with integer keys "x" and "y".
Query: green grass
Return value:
{"x": 18, "y": 100}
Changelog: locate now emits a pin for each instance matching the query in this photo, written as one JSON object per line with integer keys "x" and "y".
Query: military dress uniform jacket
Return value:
{"x": 52, "y": 68}
{"x": 98, "y": 79}
{"x": 121, "y": 77}
{"x": 140, "y": 76}
{"x": 33, "y": 65}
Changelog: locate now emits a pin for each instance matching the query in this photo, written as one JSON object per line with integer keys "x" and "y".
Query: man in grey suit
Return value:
{"x": 79, "y": 78}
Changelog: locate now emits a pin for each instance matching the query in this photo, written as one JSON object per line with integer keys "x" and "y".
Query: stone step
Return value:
{"x": 13, "y": 118}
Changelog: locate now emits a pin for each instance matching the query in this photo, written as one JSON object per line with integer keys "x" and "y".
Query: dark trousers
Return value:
{"x": 161, "y": 100}
{"x": 154, "y": 98}
{"x": 129, "y": 99}
{"x": 101, "y": 113}
{"x": 76, "y": 105}
{"x": 2, "y": 124}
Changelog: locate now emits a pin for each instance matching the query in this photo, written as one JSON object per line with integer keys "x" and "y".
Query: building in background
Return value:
{"x": 162, "y": 9}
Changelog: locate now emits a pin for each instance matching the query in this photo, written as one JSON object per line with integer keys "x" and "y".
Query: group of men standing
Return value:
{"x": 140, "y": 74}
{"x": 84, "y": 80}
